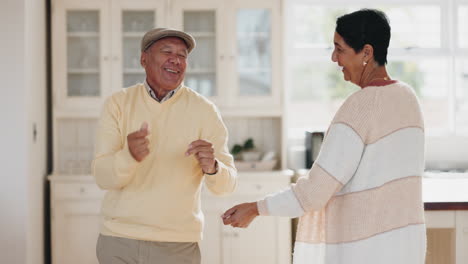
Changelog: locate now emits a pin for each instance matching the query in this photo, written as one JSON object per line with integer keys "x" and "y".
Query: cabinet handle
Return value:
{"x": 82, "y": 190}
{"x": 221, "y": 57}
{"x": 115, "y": 58}
{"x": 230, "y": 234}
{"x": 258, "y": 186}
{"x": 106, "y": 58}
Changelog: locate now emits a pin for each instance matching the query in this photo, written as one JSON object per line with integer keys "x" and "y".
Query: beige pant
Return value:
{"x": 117, "y": 250}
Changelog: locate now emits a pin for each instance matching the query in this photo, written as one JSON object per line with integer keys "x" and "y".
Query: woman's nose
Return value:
{"x": 333, "y": 56}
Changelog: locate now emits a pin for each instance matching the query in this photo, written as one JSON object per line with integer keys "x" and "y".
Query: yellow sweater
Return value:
{"x": 158, "y": 199}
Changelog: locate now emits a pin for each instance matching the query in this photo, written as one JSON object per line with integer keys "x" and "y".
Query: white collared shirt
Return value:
{"x": 153, "y": 95}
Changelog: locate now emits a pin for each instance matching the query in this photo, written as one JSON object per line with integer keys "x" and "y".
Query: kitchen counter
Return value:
{"x": 445, "y": 197}
{"x": 445, "y": 191}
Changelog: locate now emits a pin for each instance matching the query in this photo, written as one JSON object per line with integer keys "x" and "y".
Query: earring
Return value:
{"x": 364, "y": 63}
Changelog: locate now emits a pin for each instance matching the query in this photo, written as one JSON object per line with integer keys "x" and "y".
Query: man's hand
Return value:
{"x": 204, "y": 152}
{"x": 138, "y": 143}
{"x": 240, "y": 215}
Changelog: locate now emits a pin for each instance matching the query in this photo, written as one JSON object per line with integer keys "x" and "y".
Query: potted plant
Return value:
{"x": 247, "y": 151}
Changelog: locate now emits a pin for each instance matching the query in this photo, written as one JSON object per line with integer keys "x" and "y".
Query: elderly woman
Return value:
{"x": 361, "y": 201}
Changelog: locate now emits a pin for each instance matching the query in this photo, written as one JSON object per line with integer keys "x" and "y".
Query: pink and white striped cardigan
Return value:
{"x": 361, "y": 201}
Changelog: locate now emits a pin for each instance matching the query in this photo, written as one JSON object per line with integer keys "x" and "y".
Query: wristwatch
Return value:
{"x": 216, "y": 168}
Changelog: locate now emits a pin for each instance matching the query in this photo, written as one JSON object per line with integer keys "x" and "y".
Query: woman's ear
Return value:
{"x": 368, "y": 52}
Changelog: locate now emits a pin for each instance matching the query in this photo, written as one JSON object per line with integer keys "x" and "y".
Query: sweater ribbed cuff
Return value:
{"x": 262, "y": 207}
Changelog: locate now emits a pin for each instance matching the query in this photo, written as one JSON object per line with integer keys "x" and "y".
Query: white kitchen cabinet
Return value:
{"x": 130, "y": 21}
{"x": 237, "y": 60}
{"x": 266, "y": 240}
{"x": 206, "y": 69}
{"x": 75, "y": 214}
{"x": 80, "y": 41}
{"x": 446, "y": 217}
{"x": 75, "y": 232}
{"x": 76, "y": 202}
{"x": 252, "y": 245}
{"x": 453, "y": 248}
{"x": 95, "y": 49}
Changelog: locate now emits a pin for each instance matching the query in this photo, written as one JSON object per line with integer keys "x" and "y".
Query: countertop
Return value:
{"x": 445, "y": 190}
{"x": 441, "y": 190}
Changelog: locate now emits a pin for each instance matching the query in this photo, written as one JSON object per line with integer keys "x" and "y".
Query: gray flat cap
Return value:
{"x": 158, "y": 33}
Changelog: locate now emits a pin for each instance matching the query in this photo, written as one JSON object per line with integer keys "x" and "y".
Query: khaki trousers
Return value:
{"x": 117, "y": 250}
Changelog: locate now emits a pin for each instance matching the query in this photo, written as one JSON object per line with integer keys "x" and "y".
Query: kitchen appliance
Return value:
{"x": 313, "y": 142}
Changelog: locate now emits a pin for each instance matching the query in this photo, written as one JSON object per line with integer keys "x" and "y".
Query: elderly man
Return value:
{"x": 156, "y": 143}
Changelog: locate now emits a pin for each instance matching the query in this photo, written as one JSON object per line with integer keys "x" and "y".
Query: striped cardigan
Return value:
{"x": 361, "y": 201}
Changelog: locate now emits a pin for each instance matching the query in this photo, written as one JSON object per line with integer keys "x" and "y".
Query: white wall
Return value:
{"x": 36, "y": 88}
{"x": 22, "y": 103}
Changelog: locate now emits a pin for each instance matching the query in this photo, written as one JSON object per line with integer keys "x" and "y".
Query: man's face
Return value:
{"x": 165, "y": 62}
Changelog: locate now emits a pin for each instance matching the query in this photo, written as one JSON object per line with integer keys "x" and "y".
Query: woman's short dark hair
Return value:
{"x": 366, "y": 26}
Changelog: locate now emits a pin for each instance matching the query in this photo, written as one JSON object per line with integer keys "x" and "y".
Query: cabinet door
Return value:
{"x": 75, "y": 229}
{"x": 257, "y": 47}
{"x": 130, "y": 21}
{"x": 81, "y": 38}
{"x": 206, "y": 64}
{"x": 211, "y": 244}
{"x": 255, "y": 244}
{"x": 74, "y": 145}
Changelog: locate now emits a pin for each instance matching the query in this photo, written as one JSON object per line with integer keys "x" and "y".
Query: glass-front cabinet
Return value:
{"x": 206, "y": 70}
{"x": 237, "y": 52}
{"x": 257, "y": 61}
{"x": 96, "y": 49}
{"x": 253, "y": 38}
{"x": 130, "y": 21}
{"x": 83, "y": 38}
{"x": 134, "y": 26}
{"x": 95, "y": 52}
{"x": 201, "y": 72}
{"x": 79, "y": 45}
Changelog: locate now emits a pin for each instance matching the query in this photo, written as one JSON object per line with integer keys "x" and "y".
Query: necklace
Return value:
{"x": 383, "y": 78}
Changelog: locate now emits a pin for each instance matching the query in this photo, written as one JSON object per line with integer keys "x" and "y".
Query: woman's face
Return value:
{"x": 350, "y": 61}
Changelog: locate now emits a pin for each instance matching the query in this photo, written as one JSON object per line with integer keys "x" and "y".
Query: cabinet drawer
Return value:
{"x": 259, "y": 188}
{"x": 76, "y": 190}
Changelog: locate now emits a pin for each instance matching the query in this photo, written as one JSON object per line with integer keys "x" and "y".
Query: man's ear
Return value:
{"x": 143, "y": 59}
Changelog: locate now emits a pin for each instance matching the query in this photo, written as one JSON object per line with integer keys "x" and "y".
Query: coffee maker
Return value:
{"x": 313, "y": 142}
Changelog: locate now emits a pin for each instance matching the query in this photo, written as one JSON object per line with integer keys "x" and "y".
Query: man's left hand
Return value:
{"x": 204, "y": 152}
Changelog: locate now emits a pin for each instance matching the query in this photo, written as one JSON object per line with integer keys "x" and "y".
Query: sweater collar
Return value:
{"x": 165, "y": 98}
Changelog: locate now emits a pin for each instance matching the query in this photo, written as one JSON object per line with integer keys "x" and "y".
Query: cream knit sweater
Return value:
{"x": 361, "y": 201}
{"x": 158, "y": 199}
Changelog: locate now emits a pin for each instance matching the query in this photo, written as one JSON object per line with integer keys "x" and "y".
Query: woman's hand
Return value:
{"x": 240, "y": 215}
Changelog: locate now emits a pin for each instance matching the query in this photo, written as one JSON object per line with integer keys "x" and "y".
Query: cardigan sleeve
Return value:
{"x": 336, "y": 164}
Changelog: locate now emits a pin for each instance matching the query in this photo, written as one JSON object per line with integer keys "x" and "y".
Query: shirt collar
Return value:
{"x": 153, "y": 95}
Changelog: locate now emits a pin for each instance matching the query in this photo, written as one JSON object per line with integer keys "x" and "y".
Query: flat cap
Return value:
{"x": 158, "y": 33}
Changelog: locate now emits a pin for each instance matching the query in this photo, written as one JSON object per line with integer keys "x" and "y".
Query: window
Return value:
{"x": 428, "y": 50}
